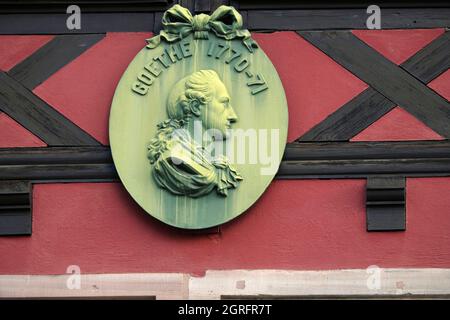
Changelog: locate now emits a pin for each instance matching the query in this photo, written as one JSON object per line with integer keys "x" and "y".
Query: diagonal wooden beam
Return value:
{"x": 38, "y": 117}
{"x": 54, "y": 55}
{"x": 351, "y": 118}
{"x": 431, "y": 61}
{"x": 370, "y": 105}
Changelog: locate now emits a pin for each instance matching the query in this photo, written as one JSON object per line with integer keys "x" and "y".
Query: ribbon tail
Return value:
{"x": 153, "y": 42}
{"x": 226, "y": 22}
{"x": 250, "y": 44}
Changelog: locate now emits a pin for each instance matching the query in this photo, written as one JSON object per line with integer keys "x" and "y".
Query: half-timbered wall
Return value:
{"x": 368, "y": 150}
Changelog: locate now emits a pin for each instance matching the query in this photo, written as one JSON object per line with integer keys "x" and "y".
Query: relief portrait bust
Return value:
{"x": 180, "y": 164}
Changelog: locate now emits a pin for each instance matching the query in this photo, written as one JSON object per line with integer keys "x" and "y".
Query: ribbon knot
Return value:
{"x": 200, "y": 26}
{"x": 225, "y": 22}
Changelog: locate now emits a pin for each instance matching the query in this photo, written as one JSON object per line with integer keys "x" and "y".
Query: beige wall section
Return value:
{"x": 399, "y": 283}
{"x": 355, "y": 282}
{"x": 138, "y": 285}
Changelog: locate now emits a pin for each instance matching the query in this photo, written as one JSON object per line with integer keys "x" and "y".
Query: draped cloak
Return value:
{"x": 181, "y": 166}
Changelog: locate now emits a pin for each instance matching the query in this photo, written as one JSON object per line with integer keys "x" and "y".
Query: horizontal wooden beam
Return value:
{"x": 367, "y": 150}
{"x": 300, "y": 161}
{"x": 293, "y": 152}
{"x": 60, "y": 172}
{"x": 55, "y": 23}
{"x": 351, "y": 169}
{"x": 55, "y": 155}
{"x": 330, "y": 4}
{"x": 45, "y": 6}
{"x": 363, "y": 159}
{"x": 327, "y": 19}
{"x": 57, "y": 164}
{"x": 125, "y": 19}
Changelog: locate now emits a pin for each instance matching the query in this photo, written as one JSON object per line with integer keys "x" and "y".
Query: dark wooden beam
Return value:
{"x": 15, "y": 208}
{"x": 385, "y": 77}
{"x": 330, "y": 4}
{"x": 55, "y": 23}
{"x": 188, "y": 4}
{"x": 370, "y": 105}
{"x": 350, "y": 119}
{"x": 360, "y": 168}
{"x": 55, "y": 155}
{"x": 61, "y": 172}
{"x": 300, "y": 161}
{"x": 57, "y": 164}
{"x": 385, "y": 204}
{"x": 431, "y": 61}
{"x": 58, "y": 6}
{"x": 54, "y": 55}
{"x": 207, "y": 6}
{"x": 323, "y": 19}
{"x": 367, "y": 150}
{"x": 38, "y": 117}
{"x": 202, "y": 6}
{"x": 362, "y": 159}
{"x": 128, "y": 20}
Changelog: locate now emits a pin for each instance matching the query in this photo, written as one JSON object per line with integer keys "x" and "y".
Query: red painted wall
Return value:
{"x": 14, "y": 49}
{"x": 13, "y": 134}
{"x": 313, "y": 224}
{"x": 309, "y": 224}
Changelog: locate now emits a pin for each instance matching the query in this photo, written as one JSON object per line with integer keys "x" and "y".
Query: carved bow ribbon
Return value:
{"x": 225, "y": 22}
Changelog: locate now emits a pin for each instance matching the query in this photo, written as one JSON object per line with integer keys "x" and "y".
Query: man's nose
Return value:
{"x": 232, "y": 116}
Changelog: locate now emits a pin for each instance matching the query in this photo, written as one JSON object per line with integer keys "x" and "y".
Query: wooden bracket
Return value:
{"x": 385, "y": 206}
{"x": 15, "y": 208}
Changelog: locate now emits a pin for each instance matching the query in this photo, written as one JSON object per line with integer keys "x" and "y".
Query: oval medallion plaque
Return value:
{"x": 198, "y": 122}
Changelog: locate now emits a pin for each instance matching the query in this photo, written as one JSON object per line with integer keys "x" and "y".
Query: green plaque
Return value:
{"x": 198, "y": 122}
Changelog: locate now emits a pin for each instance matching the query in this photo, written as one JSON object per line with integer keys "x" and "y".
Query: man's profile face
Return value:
{"x": 219, "y": 114}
